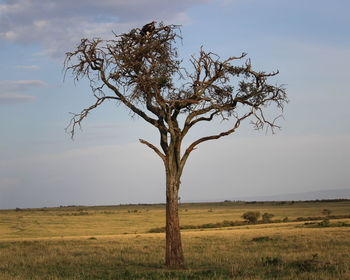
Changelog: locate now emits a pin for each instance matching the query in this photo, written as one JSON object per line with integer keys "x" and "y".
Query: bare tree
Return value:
{"x": 144, "y": 73}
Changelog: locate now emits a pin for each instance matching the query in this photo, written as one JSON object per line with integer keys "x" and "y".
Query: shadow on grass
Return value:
{"x": 276, "y": 267}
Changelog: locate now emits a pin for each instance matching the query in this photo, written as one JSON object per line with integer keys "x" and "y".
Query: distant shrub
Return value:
{"x": 262, "y": 239}
{"x": 157, "y": 230}
{"x": 108, "y": 212}
{"x": 80, "y": 213}
{"x": 285, "y": 219}
{"x": 326, "y": 212}
{"x": 325, "y": 223}
{"x": 282, "y": 202}
{"x": 203, "y": 226}
{"x": 271, "y": 261}
{"x": 266, "y": 217}
{"x": 310, "y": 223}
{"x": 342, "y": 224}
{"x": 250, "y": 202}
{"x": 312, "y": 264}
{"x": 251, "y": 216}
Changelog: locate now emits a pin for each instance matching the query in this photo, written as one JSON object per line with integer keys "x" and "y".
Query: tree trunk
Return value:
{"x": 174, "y": 255}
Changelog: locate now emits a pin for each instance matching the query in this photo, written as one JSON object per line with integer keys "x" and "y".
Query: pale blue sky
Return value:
{"x": 307, "y": 41}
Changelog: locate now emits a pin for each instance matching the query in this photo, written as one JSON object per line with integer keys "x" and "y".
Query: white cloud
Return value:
{"x": 58, "y": 25}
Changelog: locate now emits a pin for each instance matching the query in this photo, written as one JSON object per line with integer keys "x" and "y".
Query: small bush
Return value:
{"x": 326, "y": 212}
{"x": 157, "y": 230}
{"x": 80, "y": 213}
{"x": 108, "y": 212}
{"x": 203, "y": 226}
{"x": 308, "y": 265}
{"x": 271, "y": 261}
{"x": 325, "y": 223}
{"x": 251, "y": 216}
{"x": 262, "y": 239}
{"x": 266, "y": 217}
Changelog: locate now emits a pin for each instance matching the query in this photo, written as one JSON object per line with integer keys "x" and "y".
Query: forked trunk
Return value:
{"x": 174, "y": 255}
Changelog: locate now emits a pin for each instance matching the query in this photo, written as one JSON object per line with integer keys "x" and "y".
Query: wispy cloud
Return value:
{"x": 14, "y": 98}
{"x": 58, "y": 25}
{"x": 20, "y": 85}
{"x": 27, "y": 67}
{"x": 13, "y": 92}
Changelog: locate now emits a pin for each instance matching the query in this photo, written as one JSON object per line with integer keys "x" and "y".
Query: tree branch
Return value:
{"x": 212, "y": 137}
{"x": 189, "y": 123}
{"x": 132, "y": 107}
{"x": 159, "y": 153}
{"x": 78, "y": 118}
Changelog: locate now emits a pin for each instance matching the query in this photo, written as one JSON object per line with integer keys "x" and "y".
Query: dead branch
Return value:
{"x": 78, "y": 118}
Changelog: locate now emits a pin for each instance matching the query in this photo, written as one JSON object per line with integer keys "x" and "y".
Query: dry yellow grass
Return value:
{"x": 66, "y": 244}
{"x": 84, "y": 221}
{"x": 284, "y": 253}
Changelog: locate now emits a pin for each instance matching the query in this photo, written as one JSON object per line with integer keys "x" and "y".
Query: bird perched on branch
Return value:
{"x": 148, "y": 28}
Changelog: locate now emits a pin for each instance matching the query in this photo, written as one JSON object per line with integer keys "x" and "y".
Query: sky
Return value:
{"x": 40, "y": 166}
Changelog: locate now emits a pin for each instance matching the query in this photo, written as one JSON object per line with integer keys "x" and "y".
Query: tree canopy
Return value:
{"x": 144, "y": 74}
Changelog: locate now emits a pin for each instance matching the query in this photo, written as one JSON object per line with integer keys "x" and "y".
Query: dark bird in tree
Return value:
{"x": 150, "y": 81}
{"x": 148, "y": 28}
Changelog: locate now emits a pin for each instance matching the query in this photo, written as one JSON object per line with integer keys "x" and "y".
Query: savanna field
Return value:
{"x": 301, "y": 240}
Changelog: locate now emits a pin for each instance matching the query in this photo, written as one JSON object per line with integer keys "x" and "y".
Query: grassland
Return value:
{"x": 114, "y": 243}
